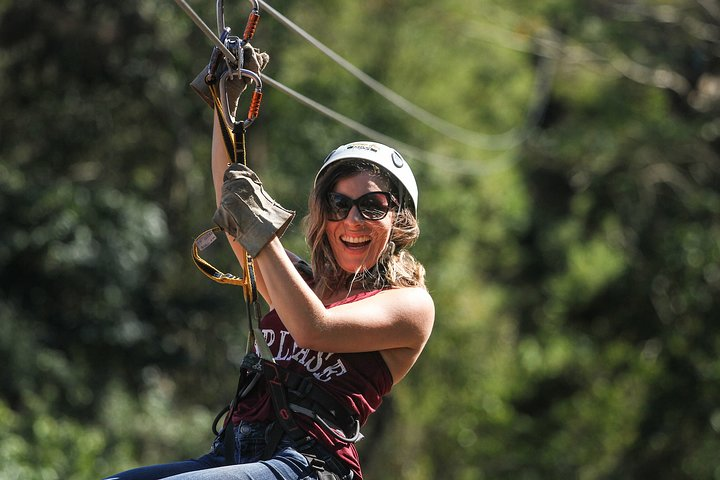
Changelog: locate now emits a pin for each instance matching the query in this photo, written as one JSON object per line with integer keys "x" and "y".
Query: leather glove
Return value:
{"x": 253, "y": 59}
{"x": 247, "y": 212}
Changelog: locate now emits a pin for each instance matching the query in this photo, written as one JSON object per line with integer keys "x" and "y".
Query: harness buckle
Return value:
{"x": 315, "y": 463}
{"x": 303, "y": 388}
{"x": 252, "y": 362}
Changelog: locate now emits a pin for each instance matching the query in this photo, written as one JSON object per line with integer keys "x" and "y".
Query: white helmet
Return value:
{"x": 385, "y": 157}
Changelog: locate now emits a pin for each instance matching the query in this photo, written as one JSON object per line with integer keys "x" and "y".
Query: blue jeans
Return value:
{"x": 286, "y": 464}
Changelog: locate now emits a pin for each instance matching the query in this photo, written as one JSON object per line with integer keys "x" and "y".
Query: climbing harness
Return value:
{"x": 226, "y": 66}
{"x": 291, "y": 393}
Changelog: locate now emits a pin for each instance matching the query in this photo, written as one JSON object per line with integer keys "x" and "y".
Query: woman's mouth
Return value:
{"x": 355, "y": 242}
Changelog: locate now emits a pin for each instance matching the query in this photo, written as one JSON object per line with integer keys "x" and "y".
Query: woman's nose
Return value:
{"x": 354, "y": 215}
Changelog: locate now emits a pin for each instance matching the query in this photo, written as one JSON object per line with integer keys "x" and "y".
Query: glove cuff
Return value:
{"x": 247, "y": 212}
{"x": 262, "y": 231}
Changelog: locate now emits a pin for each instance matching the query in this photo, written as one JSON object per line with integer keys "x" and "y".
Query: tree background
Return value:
{"x": 572, "y": 243}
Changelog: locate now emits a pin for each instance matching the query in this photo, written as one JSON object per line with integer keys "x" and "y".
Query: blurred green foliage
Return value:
{"x": 573, "y": 255}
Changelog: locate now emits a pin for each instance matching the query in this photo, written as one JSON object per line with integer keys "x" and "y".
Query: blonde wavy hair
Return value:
{"x": 396, "y": 266}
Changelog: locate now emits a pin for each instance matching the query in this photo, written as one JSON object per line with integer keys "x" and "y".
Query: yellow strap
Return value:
{"x": 255, "y": 336}
{"x": 203, "y": 241}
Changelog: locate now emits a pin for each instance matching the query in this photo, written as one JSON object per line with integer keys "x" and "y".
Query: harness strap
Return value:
{"x": 245, "y": 384}
{"x": 307, "y": 398}
{"x": 293, "y": 393}
{"x": 283, "y": 413}
{"x": 233, "y": 134}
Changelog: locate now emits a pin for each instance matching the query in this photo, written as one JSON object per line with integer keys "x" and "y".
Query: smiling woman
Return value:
{"x": 340, "y": 337}
{"x": 376, "y": 180}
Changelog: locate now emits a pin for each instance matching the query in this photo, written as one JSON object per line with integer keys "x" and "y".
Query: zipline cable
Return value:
{"x": 502, "y": 141}
{"x": 206, "y": 30}
{"x": 457, "y": 165}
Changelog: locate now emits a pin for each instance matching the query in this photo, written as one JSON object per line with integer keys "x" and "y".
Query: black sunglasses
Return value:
{"x": 372, "y": 206}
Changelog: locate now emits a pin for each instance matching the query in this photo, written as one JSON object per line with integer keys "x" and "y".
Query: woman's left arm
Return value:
{"x": 393, "y": 319}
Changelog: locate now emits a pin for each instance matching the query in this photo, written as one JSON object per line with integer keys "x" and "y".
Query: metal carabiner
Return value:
{"x": 254, "y": 109}
{"x": 252, "y": 22}
{"x": 220, "y": 11}
{"x": 235, "y": 71}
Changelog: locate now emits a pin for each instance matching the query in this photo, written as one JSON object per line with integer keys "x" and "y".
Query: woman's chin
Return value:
{"x": 356, "y": 268}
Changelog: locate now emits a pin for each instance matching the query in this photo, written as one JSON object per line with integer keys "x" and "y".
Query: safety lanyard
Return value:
{"x": 230, "y": 50}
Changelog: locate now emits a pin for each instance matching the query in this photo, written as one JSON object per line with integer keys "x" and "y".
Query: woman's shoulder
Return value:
{"x": 417, "y": 299}
{"x": 412, "y": 305}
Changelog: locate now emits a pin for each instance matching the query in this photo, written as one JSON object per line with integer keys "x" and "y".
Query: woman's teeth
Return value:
{"x": 356, "y": 241}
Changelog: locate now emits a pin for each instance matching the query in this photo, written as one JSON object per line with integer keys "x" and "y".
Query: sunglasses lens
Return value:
{"x": 374, "y": 206}
{"x": 338, "y": 206}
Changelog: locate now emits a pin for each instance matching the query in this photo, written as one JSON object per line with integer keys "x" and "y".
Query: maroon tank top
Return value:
{"x": 358, "y": 380}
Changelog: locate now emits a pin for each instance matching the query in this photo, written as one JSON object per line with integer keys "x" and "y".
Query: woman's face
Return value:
{"x": 355, "y": 241}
